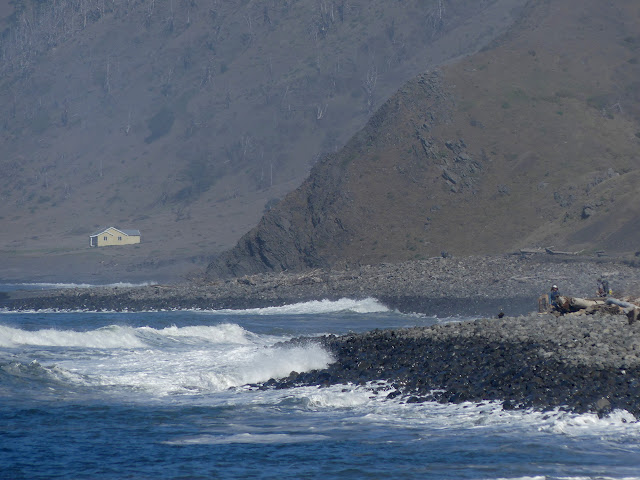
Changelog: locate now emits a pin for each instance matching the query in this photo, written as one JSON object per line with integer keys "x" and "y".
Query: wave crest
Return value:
{"x": 367, "y": 305}
{"x": 116, "y": 336}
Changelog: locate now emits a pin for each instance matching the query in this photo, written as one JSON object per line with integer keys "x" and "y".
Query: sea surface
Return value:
{"x": 167, "y": 395}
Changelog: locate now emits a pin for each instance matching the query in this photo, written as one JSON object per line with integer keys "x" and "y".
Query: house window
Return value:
{"x": 119, "y": 239}
{"x": 105, "y": 238}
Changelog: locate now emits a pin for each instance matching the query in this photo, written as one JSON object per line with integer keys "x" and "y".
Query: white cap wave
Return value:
{"x": 367, "y": 305}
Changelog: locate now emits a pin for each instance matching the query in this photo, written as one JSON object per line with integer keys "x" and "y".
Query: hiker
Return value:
{"x": 553, "y": 296}
{"x": 603, "y": 288}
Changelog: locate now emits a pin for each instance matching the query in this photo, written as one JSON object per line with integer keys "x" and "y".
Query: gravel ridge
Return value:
{"x": 443, "y": 286}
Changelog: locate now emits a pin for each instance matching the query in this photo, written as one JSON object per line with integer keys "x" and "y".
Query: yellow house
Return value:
{"x": 114, "y": 236}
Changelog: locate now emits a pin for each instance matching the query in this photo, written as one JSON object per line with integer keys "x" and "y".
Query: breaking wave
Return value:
{"x": 115, "y": 336}
{"x": 367, "y": 305}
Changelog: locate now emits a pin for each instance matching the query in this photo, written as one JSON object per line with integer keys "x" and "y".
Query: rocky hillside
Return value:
{"x": 187, "y": 120}
{"x": 532, "y": 142}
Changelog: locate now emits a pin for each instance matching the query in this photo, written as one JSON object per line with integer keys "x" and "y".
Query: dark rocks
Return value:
{"x": 587, "y": 211}
{"x": 526, "y": 362}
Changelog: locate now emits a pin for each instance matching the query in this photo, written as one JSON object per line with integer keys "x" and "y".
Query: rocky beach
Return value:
{"x": 585, "y": 363}
{"x": 480, "y": 285}
{"x": 578, "y": 363}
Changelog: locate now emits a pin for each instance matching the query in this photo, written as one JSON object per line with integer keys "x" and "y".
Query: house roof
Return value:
{"x": 102, "y": 230}
{"x": 129, "y": 233}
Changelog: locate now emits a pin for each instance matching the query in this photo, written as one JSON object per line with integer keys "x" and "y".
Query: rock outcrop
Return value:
{"x": 582, "y": 364}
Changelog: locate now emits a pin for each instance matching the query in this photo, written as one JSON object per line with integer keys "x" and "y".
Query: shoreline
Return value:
{"x": 582, "y": 364}
{"x": 471, "y": 286}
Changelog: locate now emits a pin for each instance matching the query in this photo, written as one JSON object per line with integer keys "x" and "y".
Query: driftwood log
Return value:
{"x": 558, "y": 252}
{"x": 588, "y": 306}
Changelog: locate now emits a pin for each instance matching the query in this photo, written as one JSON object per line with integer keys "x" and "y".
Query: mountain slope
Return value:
{"x": 531, "y": 142}
{"x": 187, "y": 119}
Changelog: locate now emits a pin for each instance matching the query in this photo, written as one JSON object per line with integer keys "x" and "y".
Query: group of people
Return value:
{"x": 604, "y": 290}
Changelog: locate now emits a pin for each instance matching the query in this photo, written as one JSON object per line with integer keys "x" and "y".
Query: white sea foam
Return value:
{"x": 544, "y": 477}
{"x": 367, "y": 305}
{"x": 569, "y": 424}
{"x": 619, "y": 427}
{"x": 314, "y": 307}
{"x": 269, "y": 438}
{"x": 172, "y": 360}
{"x": 280, "y": 362}
{"x": 345, "y": 398}
{"x": 116, "y": 336}
{"x": 223, "y": 333}
{"x": 523, "y": 478}
{"x": 566, "y": 478}
{"x": 108, "y": 337}
{"x": 250, "y": 365}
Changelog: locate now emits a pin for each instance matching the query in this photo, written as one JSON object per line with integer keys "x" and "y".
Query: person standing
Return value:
{"x": 553, "y": 296}
{"x": 604, "y": 290}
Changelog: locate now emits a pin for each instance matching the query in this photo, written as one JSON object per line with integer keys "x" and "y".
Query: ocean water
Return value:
{"x": 165, "y": 395}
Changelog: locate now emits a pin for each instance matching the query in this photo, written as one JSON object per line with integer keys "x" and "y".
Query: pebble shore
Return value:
{"x": 582, "y": 364}
{"x": 436, "y": 286}
{"x": 588, "y": 363}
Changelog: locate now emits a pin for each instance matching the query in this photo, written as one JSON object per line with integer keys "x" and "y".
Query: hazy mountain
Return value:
{"x": 188, "y": 119}
{"x": 532, "y": 142}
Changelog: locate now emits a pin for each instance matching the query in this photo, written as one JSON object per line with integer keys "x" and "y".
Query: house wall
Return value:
{"x": 112, "y": 236}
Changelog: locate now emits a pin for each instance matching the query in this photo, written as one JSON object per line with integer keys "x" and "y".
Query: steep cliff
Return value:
{"x": 315, "y": 225}
{"x": 531, "y": 142}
